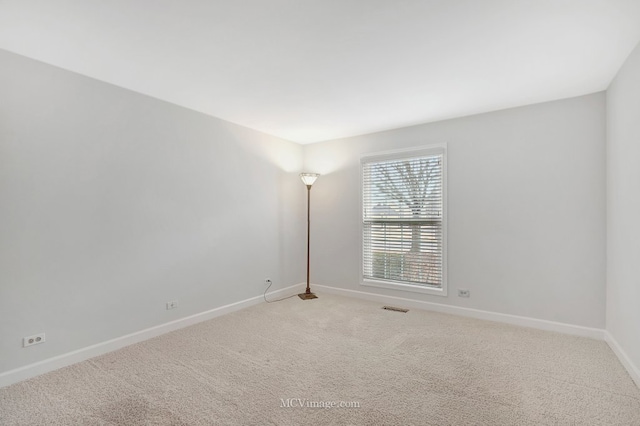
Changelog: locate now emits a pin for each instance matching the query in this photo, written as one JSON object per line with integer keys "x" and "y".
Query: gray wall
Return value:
{"x": 623, "y": 208}
{"x": 113, "y": 203}
{"x": 526, "y": 220}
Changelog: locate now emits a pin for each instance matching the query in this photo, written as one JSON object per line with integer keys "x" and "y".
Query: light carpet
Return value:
{"x": 415, "y": 368}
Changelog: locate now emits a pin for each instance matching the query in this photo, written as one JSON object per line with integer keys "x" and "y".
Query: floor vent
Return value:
{"x": 393, "y": 308}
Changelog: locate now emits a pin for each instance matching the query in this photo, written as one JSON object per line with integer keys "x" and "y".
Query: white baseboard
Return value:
{"x": 576, "y": 330}
{"x": 51, "y": 364}
{"x": 626, "y": 362}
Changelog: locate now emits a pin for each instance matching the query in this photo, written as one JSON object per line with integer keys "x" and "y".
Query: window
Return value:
{"x": 403, "y": 220}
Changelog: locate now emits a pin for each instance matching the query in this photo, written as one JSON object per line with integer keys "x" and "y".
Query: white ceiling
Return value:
{"x": 312, "y": 70}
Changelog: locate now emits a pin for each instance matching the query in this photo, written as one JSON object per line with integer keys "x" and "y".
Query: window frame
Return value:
{"x": 408, "y": 153}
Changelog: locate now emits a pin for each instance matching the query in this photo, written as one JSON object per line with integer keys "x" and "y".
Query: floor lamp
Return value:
{"x": 308, "y": 179}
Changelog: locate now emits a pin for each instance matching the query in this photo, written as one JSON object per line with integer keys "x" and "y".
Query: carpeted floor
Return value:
{"x": 420, "y": 368}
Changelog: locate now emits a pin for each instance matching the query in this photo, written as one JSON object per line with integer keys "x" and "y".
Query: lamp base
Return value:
{"x": 307, "y": 296}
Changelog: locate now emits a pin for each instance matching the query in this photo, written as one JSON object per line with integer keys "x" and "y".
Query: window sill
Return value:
{"x": 405, "y": 287}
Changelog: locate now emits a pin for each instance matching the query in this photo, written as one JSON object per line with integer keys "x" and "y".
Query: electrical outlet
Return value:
{"x": 267, "y": 281}
{"x": 33, "y": 340}
{"x": 172, "y": 305}
{"x": 463, "y": 292}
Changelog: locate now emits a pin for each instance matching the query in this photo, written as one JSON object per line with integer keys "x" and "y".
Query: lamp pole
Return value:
{"x": 308, "y": 179}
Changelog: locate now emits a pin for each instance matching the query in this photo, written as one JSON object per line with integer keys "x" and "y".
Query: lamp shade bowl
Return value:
{"x": 308, "y": 178}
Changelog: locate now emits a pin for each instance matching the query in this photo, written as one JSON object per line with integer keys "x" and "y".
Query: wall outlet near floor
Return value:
{"x": 267, "y": 281}
{"x": 33, "y": 340}
{"x": 172, "y": 305}
{"x": 462, "y": 292}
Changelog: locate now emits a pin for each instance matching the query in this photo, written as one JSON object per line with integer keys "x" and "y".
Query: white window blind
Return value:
{"x": 403, "y": 210}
